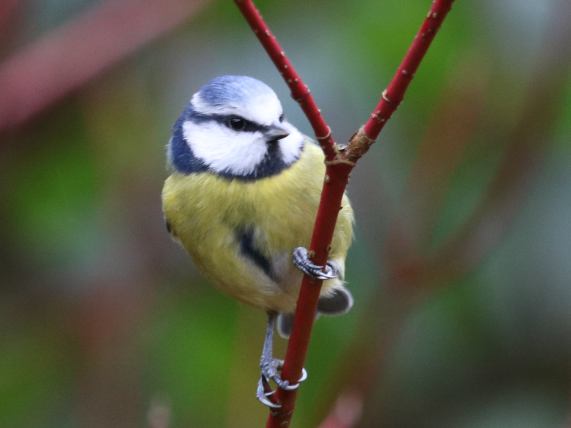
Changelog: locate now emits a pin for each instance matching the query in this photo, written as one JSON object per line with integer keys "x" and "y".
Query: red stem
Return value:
{"x": 339, "y": 166}
{"x": 393, "y": 95}
{"x": 326, "y": 218}
{"x": 299, "y": 90}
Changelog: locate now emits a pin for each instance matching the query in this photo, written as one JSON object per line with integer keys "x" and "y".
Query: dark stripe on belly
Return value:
{"x": 248, "y": 249}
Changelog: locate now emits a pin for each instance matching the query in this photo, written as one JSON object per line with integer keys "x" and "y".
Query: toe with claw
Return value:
{"x": 302, "y": 262}
{"x": 264, "y": 392}
{"x": 271, "y": 372}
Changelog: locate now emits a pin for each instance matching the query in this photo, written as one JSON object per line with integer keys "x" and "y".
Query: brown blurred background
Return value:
{"x": 461, "y": 268}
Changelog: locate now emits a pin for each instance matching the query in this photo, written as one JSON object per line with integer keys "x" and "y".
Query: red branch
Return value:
{"x": 339, "y": 166}
{"x": 393, "y": 95}
{"x": 299, "y": 90}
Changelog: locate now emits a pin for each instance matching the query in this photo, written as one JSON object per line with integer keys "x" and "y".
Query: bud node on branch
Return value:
{"x": 385, "y": 97}
{"x": 358, "y": 145}
{"x": 326, "y": 136}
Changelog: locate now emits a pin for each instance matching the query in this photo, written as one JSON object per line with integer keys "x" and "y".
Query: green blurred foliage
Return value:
{"x": 105, "y": 323}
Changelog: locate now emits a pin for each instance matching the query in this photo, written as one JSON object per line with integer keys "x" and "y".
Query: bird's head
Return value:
{"x": 234, "y": 126}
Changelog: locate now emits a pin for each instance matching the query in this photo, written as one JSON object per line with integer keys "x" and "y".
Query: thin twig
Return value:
{"x": 299, "y": 90}
{"x": 394, "y": 94}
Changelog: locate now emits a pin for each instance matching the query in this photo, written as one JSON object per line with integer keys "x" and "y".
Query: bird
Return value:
{"x": 241, "y": 197}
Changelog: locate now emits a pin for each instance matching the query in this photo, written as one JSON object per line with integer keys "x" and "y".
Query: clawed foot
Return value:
{"x": 302, "y": 262}
{"x": 271, "y": 372}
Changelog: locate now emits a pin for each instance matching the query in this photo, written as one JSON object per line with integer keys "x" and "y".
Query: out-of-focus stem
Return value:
{"x": 70, "y": 56}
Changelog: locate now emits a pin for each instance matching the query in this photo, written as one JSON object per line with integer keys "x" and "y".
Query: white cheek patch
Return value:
{"x": 291, "y": 145}
{"x": 224, "y": 150}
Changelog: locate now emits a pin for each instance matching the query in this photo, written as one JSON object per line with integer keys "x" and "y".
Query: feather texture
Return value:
{"x": 209, "y": 214}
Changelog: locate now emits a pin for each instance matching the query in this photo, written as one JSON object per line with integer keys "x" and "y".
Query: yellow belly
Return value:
{"x": 205, "y": 212}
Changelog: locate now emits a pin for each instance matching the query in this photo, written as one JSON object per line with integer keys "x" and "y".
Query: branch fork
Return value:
{"x": 339, "y": 164}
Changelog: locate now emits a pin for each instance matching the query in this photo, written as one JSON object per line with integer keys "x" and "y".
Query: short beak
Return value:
{"x": 276, "y": 132}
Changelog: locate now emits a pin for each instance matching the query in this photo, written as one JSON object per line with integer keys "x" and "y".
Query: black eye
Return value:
{"x": 281, "y": 117}
{"x": 236, "y": 123}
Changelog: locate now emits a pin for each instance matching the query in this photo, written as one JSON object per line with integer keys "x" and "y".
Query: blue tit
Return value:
{"x": 241, "y": 199}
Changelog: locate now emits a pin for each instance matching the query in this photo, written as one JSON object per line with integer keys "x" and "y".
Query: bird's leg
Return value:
{"x": 271, "y": 367}
{"x": 302, "y": 262}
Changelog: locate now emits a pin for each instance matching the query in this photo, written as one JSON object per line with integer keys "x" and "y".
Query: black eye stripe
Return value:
{"x": 224, "y": 119}
{"x": 245, "y": 125}
{"x": 236, "y": 123}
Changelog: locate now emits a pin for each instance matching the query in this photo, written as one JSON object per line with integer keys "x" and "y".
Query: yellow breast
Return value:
{"x": 207, "y": 213}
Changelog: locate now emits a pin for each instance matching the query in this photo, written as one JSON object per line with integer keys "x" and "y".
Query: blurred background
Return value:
{"x": 461, "y": 267}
